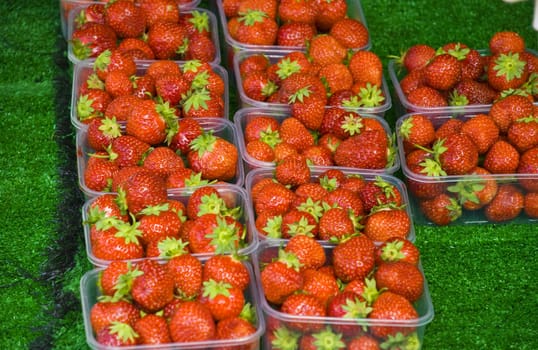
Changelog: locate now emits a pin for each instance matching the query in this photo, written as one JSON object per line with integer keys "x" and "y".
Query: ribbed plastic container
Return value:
{"x": 83, "y": 69}
{"x": 257, "y": 175}
{"x": 273, "y": 57}
{"x": 268, "y": 250}
{"x": 244, "y": 115}
{"x": 233, "y": 195}
{"x": 89, "y": 292}
{"x": 221, "y": 127}
{"x": 468, "y": 216}
{"x": 213, "y": 26}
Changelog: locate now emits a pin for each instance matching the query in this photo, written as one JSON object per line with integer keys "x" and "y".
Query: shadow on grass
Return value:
{"x": 69, "y": 236}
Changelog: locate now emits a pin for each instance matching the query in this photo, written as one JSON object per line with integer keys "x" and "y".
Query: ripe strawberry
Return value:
{"x": 379, "y": 192}
{"x": 386, "y": 222}
{"x": 401, "y": 278}
{"x": 101, "y": 132}
{"x": 394, "y": 307}
{"x": 482, "y": 130}
{"x": 457, "y": 154}
{"x": 92, "y": 104}
{"x": 505, "y": 42}
{"x": 127, "y": 150}
{"x": 187, "y": 130}
{"x": 347, "y": 200}
{"x": 329, "y": 11}
{"x": 258, "y": 86}
{"x": 281, "y": 277}
{"x": 228, "y": 269}
{"x": 441, "y": 209}
{"x": 213, "y": 156}
{"x": 186, "y": 272}
{"x": 337, "y": 77}
{"x": 99, "y": 172}
{"x": 205, "y": 200}
{"x": 506, "y": 205}
{"x": 308, "y": 251}
{"x": 92, "y": 39}
{"x": 530, "y": 204}
{"x": 190, "y": 322}
{"x": 507, "y": 110}
{"x": 364, "y": 342}
{"x": 106, "y": 206}
{"x": 144, "y": 87}
{"x": 302, "y": 11}
{"x": 478, "y": 191}
{"x": 253, "y": 63}
{"x": 417, "y": 130}
{"x": 304, "y": 305}
{"x": 425, "y": 96}
{"x": 528, "y": 164}
{"x": 117, "y": 334}
{"x": 152, "y": 329}
{"x": 171, "y": 88}
{"x": 350, "y": 32}
{"x": 411, "y": 81}
{"x": 166, "y": 39}
{"x": 118, "y": 83}
{"x": 335, "y": 223}
{"x": 502, "y": 158}
{"x": 163, "y": 67}
{"x": 154, "y": 288}
{"x": 260, "y": 150}
{"x": 256, "y": 27}
{"x": 354, "y": 258}
{"x": 341, "y": 123}
{"x": 366, "y": 66}
{"x": 471, "y": 92}
{"x": 127, "y": 19}
{"x": 113, "y": 60}
{"x": 367, "y": 150}
{"x": 222, "y": 299}
{"x": 348, "y": 305}
{"x": 523, "y": 133}
{"x": 325, "y": 49}
{"x": 417, "y": 57}
{"x": 258, "y": 126}
{"x": 295, "y": 34}
{"x": 143, "y": 189}
{"x": 92, "y": 13}
{"x": 163, "y": 161}
{"x": 211, "y": 233}
{"x": 450, "y": 126}
{"x": 443, "y": 72}
{"x": 200, "y": 47}
{"x": 293, "y": 171}
{"x": 274, "y": 198}
{"x": 148, "y": 122}
{"x": 159, "y": 10}
{"x": 397, "y": 249}
{"x": 203, "y": 103}
{"x": 320, "y": 284}
{"x": 507, "y": 71}
{"x": 297, "y": 222}
{"x": 235, "y": 328}
{"x": 104, "y": 313}
{"x": 157, "y": 222}
{"x": 295, "y": 133}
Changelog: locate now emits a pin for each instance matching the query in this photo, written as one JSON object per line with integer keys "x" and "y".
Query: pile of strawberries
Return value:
{"x": 328, "y": 205}
{"x": 458, "y": 75}
{"x": 292, "y": 23}
{"x": 355, "y": 279}
{"x": 344, "y": 138}
{"x": 144, "y": 29}
{"x": 483, "y": 149}
{"x": 182, "y": 300}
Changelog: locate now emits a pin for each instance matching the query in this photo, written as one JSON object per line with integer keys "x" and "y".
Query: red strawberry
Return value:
{"x": 507, "y": 71}
{"x": 127, "y": 19}
{"x": 418, "y": 130}
{"x": 394, "y": 307}
{"x": 335, "y": 223}
{"x": 477, "y": 191}
{"x": 222, "y": 299}
{"x": 366, "y": 66}
{"x": 457, "y": 154}
{"x": 412, "y": 80}
{"x": 159, "y": 10}
{"x": 281, "y": 277}
{"x": 106, "y": 206}
{"x": 258, "y": 86}
{"x": 528, "y": 164}
{"x": 228, "y": 269}
{"x": 101, "y": 132}
{"x": 154, "y": 288}
{"x": 127, "y": 150}
{"x": 363, "y": 342}
{"x": 471, "y": 92}
{"x": 92, "y": 104}
{"x": 385, "y": 222}
{"x": 354, "y": 258}
{"x": 443, "y": 72}
{"x": 190, "y": 322}
{"x": 308, "y": 251}
{"x": 320, "y": 284}
{"x": 449, "y": 127}
{"x": 104, "y": 313}
{"x": 235, "y": 328}
{"x": 171, "y": 88}
{"x": 295, "y": 34}
{"x": 273, "y": 198}
{"x": 295, "y": 133}
{"x": 257, "y": 28}
{"x": 166, "y": 39}
{"x": 350, "y": 32}
{"x": 329, "y": 11}
{"x": 99, "y": 172}
{"x": 502, "y": 158}
{"x": 482, "y": 130}
{"x": 92, "y": 13}
{"x": 379, "y": 192}
{"x": 117, "y": 334}
{"x": 307, "y": 107}
{"x": 158, "y": 222}
{"x": 507, "y": 110}
{"x": 152, "y": 329}
{"x": 203, "y": 103}
{"x": 367, "y": 150}
{"x": 348, "y": 305}
{"x": 506, "y": 205}
{"x": 397, "y": 249}
{"x": 253, "y": 63}
{"x": 341, "y": 123}
{"x": 293, "y": 171}
{"x": 270, "y": 7}
{"x": 304, "y": 305}
{"x": 186, "y": 272}
{"x": 303, "y": 11}
{"x": 425, "y": 96}
{"x": 523, "y": 133}
{"x": 143, "y": 189}
{"x": 213, "y": 156}
{"x": 530, "y": 204}
{"x": 401, "y": 278}
{"x": 325, "y": 49}
{"x": 505, "y": 42}
{"x": 200, "y": 47}
{"x": 417, "y": 56}
{"x": 92, "y": 39}
{"x": 163, "y": 161}
{"x": 187, "y": 130}
{"x": 441, "y": 209}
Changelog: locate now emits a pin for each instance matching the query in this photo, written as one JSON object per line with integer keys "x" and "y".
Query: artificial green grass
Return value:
{"x": 481, "y": 277}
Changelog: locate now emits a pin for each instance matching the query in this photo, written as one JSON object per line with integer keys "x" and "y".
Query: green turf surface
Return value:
{"x": 482, "y": 278}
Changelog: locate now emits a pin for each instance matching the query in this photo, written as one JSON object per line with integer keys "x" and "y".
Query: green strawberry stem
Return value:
{"x": 328, "y": 340}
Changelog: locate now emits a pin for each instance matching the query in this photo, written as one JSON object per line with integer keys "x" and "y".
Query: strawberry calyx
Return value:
{"x": 200, "y": 81}
{"x": 392, "y": 251}
{"x": 128, "y": 231}
{"x": 224, "y": 236}
{"x": 81, "y": 50}
{"x": 369, "y": 96}
{"x": 457, "y": 99}
{"x": 328, "y": 340}
{"x": 192, "y": 66}
{"x": 430, "y": 167}
{"x": 270, "y": 137}
{"x": 285, "y": 339}
{"x": 182, "y": 49}
{"x": 352, "y": 124}
{"x": 299, "y": 95}
{"x": 466, "y": 190}
{"x": 123, "y": 285}
{"x": 155, "y": 210}
{"x": 531, "y": 85}
{"x": 522, "y": 91}
{"x": 328, "y": 183}
{"x": 203, "y": 143}
{"x": 355, "y": 308}
{"x": 248, "y": 313}
{"x": 211, "y": 289}
{"x": 273, "y": 227}
{"x": 196, "y": 99}
{"x": 386, "y": 187}
{"x": 301, "y": 227}
{"x": 80, "y": 18}
{"x": 529, "y": 119}
{"x": 123, "y": 331}
{"x": 200, "y": 21}
{"x": 251, "y": 17}
{"x": 399, "y": 341}
{"x": 102, "y": 60}
{"x": 110, "y": 127}
{"x": 84, "y": 108}
{"x": 459, "y": 51}
{"x": 392, "y": 150}
{"x": 509, "y": 66}
{"x": 269, "y": 88}
{"x": 171, "y": 247}
{"x": 195, "y": 180}
{"x": 211, "y": 204}
{"x": 287, "y": 67}
{"x": 454, "y": 209}
{"x": 94, "y": 82}
{"x": 290, "y": 259}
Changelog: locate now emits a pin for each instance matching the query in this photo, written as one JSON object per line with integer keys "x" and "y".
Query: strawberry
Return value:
{"x": 351, "y": 33}
{"x": 314, "y": 191}
{"x": 320, "y": 284}
{"x": 293, "y": 171}
{"x": 234, "y": 328}
{"x": 211, "y": 233}
{"x": 441, "y": 209}
{"x": 304, "y": 305}
{"x": 354, "y": 258}
{"x": 506, "y": 205}
{"x": 117, "y": 334}
{"x": 222, "y": 300}
{"x": 228, "y": 269}
{"x": 478, "y": 191}
{"x": 186, "y": 272}
{"x": 425, "y": 96}
{"x": 296, "y": 222}
{"x": 166, "y": 39}
{"x": 203, "y": 103}
{"x": 366, "y": 66}
{"x": 335, "y": 223}
{"x": 159, "y": 10}
{"x": 258, "y": 86}
{"x": 422, "y": 189}
{"x": 118, "y": 83}
{"x": 318, "y": 155}
{"x": 213, "y": 156}
{"x": 329, "y": 11}
{"x": 506, "y": 110}
{"x": 528, "y": 164}
{"x": 457, "y": 154}
{"x": 171, "y": 88}
{"x": 364, "y": 342}
{"x": 163, "y": 67}
{"x": 443, "y": 72}
{"x": 187, "y": 130}
{"x": 507, "y": 71}
{"x": 411, "y": 81}
{"x": 92, "y": 104}
{"x": 450, "y": 126}
{"x": 417, "y": 130}
{"x": 471, "y": 92}
{"x": 295, "y": 34}
{"x": 127, "y": 19}
{"x": 190, "y": 322}
{"x": 302, "y": 11}
{"x": 296, "y": 78}
{"x": 348, "y": 305}
{"x": 104, "y": 313}
{"x": 502, "y": 158}
{"x": 337, "y": 77}
{"x": 341, "y": 123}
{"x": 253, "y": 63}
{"x": 325, "y": 49}
{"x": 281, "y": 277}
{"x": 256, "y": 28}
{"x": 101, "y": 132}
{"x": 152, "y": 329}
{"x": 385, "y": 222}
{"x": 523, "y": 133}
{"x": 308, "y": 251}
{"x": 127, "y": 150}
{"x": 144, "y": 87}
{"x": 205, "y": 200}
{"x": 379, "y": 192}
{"x": 154, "y": 288}
{"x": 296, "y": 134}
{"x": 92, "y": 13}
{"x": 472, "y": 64}
{"x": 347, "y": 200}
{"x": 91, "y": 39}
{"x": 394, "y": 307}
{"x": 105, "y": 206}
{"x": 157, "y": 222}
{"x": 417, "y": 57}
{"x": 274, "y": 198}
{"x": 99, "y": 172}
{"x": 505, "y": 42}
{"x": 367, "y": 150}
{"x": 149, "y": 121}
{"x": 259, "y": 126}
{"x": 163, "y": 161}
{"x": 200, "y": 47}
{"x": 401, "y": 278}
{"x": 530, "y": 204}
{"x": 482, "y": 130}
{"x": 143, "y": 189}
{"x": 397, "y": 249}
{"x": 260, "y": 150}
